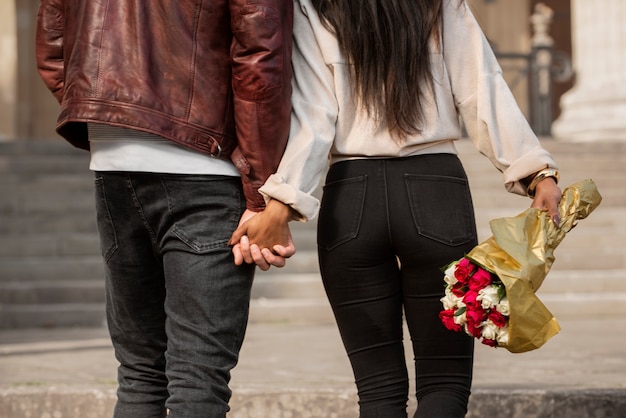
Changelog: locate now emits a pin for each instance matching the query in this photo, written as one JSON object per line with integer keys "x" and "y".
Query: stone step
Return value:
{"x": 50, "y": 157}
{"x": 287, "y": 310}
{"x": 46, "y": 199}
{"x": 567, "y": 293}
{"x": 33, "y": 244}
{"x": 50, "y": 268}
{"x": 558, "y": 281}
{"x": 335, "y": 403}
{"x": 272, "y": 285}
{"x": 318, "y": 311}
{"x": 31, "y": 165}
{"x": 58, "y": 315}
{"x": 33, "y": 224}
{"x": 52, "y": 292}
{"x": 301, "y": 299}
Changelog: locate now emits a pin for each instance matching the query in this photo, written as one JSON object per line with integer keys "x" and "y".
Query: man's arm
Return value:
{"x": 261, "y": 81}
{"x": 49, "y": 45}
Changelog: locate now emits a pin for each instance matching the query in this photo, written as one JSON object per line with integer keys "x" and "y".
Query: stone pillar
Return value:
{"x": 595, "y": 108}
{"x": 8, "y": 70}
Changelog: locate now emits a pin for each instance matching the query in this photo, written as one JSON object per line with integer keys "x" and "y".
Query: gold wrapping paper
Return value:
{"x": 521, "y": 253}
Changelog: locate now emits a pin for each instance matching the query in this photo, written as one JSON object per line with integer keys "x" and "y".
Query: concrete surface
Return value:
{"x": 300, "y": 370}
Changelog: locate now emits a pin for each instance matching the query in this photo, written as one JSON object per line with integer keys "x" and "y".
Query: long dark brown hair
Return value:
{"x": 386, "y": 41}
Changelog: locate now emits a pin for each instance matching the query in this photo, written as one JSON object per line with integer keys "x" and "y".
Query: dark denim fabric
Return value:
{"x": 177, "y": 306}
{"x": 386, "y": 228}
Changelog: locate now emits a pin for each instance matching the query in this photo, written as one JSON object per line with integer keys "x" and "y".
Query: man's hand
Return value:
{"x": 263, "y": 258}
{"x": 264, "y": 238}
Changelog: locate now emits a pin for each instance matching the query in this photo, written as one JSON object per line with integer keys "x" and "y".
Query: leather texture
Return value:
{"x": 214, "y": 76}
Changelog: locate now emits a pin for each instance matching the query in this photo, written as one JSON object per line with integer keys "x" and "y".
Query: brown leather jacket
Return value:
{"x": 214, "y": 76}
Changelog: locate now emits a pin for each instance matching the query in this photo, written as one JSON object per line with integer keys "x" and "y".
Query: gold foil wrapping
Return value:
{"x": 521, "y": 253}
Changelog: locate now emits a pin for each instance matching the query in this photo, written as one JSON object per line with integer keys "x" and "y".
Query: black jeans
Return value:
{"x": 386, "y": 228}
{"x": 177, "y": 306}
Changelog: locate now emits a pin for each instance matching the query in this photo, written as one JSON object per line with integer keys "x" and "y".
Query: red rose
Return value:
{"x": 447, "y": 317}
{"x": 497, "y": 318}
{"x": 479, "y": 280}
{"x": 470, "y": 299}
{"x": 458, "y": 289}
{"x": 463, "y": 269}
{"x": 473, "y": 329}
{"x": 474, "y": 318}
{"x": 476, "y": 315}
{"x": 490, "y": 343}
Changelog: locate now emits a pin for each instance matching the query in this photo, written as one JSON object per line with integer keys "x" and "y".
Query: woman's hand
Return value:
{"x": 547, "y": 197}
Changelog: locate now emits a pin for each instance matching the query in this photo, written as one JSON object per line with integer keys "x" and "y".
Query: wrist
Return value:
{"x": 281, "y": 211}
{"x": 538, "y": 177}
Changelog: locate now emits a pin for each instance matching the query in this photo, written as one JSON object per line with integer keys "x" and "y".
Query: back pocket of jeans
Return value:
{"x": 341, "y": 211}
{"x": 442, "y": 208}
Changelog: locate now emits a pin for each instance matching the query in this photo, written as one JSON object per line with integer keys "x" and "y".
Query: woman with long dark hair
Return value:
{"x": 380, "y": 87}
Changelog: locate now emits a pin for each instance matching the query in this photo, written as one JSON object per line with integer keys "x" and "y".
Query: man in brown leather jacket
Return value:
{"x": 185, "y": 108}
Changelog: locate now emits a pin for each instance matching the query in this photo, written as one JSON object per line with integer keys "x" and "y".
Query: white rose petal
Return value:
{"x": 489, "y": 330}
{"x": 449, "y": 301}
{"x": 449, "y": 277}
{"x": 503, "y": 306}
{"x": 488, "y": 296}
{"x": 502, "y": 336}
{"x": 460, "y": 319}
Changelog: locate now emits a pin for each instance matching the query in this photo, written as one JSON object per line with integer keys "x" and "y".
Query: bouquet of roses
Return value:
{"x": 490, "y": 293}
{"x": 475, "y": 302}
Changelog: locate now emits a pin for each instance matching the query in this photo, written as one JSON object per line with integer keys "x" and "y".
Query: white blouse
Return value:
{"x": 327, "y": 126}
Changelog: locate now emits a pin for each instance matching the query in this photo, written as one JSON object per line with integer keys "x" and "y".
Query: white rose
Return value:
{"x": 503, "y": 306}
{"x": 489, "y": 330}
{"x": 502, "y": 335}
{"x": 449, "y": 277}
{"x": 449, "y": 300}
{"x": 488, "y": 296}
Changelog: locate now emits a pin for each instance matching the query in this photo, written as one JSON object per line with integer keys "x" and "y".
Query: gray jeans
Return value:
{"x": 177, "y": 306}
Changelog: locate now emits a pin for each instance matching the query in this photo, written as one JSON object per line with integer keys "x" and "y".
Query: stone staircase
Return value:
{"x": 51, "y": 271}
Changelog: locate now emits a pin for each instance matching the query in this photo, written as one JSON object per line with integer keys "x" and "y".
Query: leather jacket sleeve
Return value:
{"x": 261, "y": 77}
{"x": 49, "y": 45}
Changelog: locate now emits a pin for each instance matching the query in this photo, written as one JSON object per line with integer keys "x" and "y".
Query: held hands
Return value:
{"x": 264, "y": 238}
{"x": 547, "y": 197}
